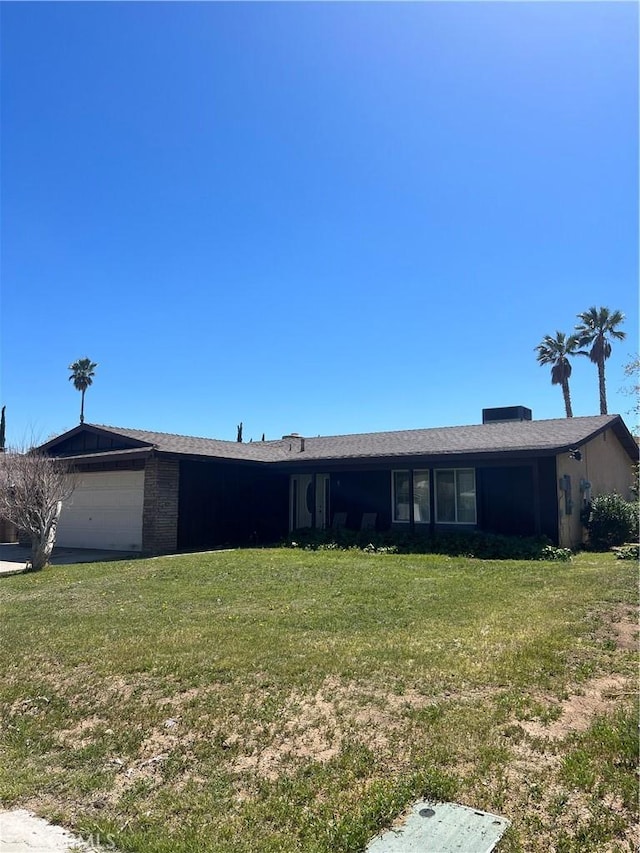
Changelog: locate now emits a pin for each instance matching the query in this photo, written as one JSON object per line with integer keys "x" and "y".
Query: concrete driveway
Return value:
{"x": 13, "y": 558}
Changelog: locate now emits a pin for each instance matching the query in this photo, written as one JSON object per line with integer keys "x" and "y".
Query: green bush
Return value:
{"x": 610, "y": 520}
{"x": 627, "y": 552}
{"x": 486, "y": 546}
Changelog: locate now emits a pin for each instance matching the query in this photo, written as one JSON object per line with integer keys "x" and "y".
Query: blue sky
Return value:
{"x": 313, "y": 217}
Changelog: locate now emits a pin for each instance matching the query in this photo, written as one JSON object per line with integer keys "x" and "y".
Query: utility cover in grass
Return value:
{"x": 442, "y": 828}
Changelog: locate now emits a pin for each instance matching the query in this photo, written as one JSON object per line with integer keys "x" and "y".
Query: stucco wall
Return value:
{"x": 606, "y": 466}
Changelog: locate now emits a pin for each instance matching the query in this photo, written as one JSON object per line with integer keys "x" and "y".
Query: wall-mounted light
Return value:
{"x": 575, "y": 454}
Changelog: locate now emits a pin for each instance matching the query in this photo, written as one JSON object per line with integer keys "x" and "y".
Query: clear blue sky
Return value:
{"x": 313, "y": 217}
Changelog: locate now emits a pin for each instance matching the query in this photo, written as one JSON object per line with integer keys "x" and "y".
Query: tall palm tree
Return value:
{"x": 596, "y": 328}
{"x": 556, "y": 352}
{"x": 82, "y": 373}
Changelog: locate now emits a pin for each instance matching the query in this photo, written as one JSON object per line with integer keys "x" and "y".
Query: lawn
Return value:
{"x": 285, "y": 700}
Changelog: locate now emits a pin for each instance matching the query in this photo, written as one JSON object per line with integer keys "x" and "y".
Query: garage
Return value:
{"x": 104, "y": 511}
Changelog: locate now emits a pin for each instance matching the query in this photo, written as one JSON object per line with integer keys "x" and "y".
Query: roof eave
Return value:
{"x": 429, "y": 459}
{"x": 207, "y": 457}
{"x": 621, "y": 431}
{"x": 102, "y": 456}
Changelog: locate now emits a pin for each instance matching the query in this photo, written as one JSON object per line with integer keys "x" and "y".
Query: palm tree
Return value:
{"x": 556, "y": 352}
{"x": 82, "y": 373}
{"x": 596, "y": 329}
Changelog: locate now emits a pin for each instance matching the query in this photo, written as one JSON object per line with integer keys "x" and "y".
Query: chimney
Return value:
{"x": 296, "y": 442}
{"x": 506, "y": 414}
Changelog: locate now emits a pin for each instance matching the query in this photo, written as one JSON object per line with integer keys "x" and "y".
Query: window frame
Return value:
{"x": 411, "y": 475}
{"x": 455, "y": 471}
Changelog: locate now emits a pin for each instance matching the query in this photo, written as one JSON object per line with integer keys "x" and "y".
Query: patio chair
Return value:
{"x": 368, "y": 521}
{"x": 339, "y": 520}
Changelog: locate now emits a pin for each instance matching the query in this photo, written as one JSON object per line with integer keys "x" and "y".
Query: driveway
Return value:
{"x": 13, "y": 558}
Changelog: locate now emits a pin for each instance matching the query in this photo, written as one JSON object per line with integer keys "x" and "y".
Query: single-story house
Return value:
{"x": 160, "y": 493}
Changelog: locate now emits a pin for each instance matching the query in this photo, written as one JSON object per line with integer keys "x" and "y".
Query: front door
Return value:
{"x": 309, "y": 501}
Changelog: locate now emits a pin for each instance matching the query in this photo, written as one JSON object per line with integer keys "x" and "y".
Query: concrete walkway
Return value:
{"x": 22, "y": 832}
{"x": 13, "y": 557}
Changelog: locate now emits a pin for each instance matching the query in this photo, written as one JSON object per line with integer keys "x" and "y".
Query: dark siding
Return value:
{"x": 548, "y": 498}
{"x": 221, "y": 504}
{"x": 355, "y": 492}
{"x": 90, "y": 442}
{"x": 505, "y": 500}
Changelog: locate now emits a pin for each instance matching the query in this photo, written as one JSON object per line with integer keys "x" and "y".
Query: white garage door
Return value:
{"x": 105, "y": 511}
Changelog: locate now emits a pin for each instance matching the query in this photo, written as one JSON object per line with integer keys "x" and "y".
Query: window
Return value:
{"x": 421, "y": 504}
{"x": 456, "y": 496}
{"x": 401, "y": 497}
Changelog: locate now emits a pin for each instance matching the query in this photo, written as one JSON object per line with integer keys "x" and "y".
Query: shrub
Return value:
{"x": 628, "y": 552}
{"x": 610, "y": 520}
{"x": 485, "y": 546}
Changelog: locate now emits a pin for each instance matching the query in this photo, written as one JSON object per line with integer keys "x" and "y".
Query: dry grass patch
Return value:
{"x": 624, "y": 624}
{"x": 597, "y": 697}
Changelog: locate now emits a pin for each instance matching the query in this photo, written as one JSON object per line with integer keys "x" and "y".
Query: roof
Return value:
{"x": 188, "y": 445}
{"x": 542, "y": 437}
{"x": 507, "y": 437}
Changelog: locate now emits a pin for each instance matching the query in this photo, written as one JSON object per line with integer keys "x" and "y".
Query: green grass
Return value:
{"x": 277, "y": 700}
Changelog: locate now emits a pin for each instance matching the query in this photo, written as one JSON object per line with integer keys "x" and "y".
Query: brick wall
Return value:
{"x": 160, "y": 513}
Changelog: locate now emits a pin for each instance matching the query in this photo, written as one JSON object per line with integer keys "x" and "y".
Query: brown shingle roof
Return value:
{"x": 547, "y": 436}
{"x": 188, "y": 445}
{"x": 444, "y": 441}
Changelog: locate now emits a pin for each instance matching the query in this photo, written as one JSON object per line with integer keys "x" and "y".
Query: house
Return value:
{"x": 158, "y": 493}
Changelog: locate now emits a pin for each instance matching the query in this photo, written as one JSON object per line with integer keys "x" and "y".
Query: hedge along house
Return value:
{"x": 160, "y": 493}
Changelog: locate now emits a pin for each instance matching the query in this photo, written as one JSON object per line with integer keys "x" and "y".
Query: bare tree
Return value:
{"x": 32, "y": 489}
{"x": 632, "y": 371}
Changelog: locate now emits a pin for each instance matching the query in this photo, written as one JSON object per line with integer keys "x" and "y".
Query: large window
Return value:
{"x": 455, "y": 491}
{"x": 401, "y": 497}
